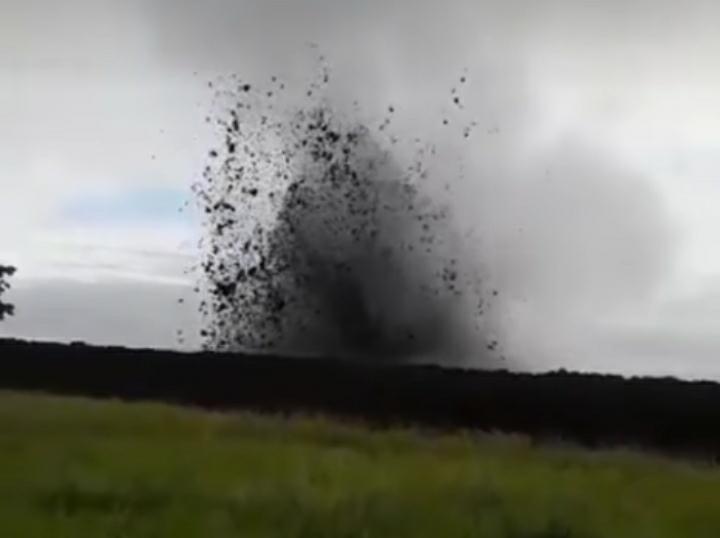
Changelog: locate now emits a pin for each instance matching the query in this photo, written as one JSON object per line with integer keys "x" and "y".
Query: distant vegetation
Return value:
{"x": 5, "y": 308}
{"x": 77, "y": 468}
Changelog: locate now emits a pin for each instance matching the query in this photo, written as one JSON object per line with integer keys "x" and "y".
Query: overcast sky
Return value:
{"x": 592, "y": 182}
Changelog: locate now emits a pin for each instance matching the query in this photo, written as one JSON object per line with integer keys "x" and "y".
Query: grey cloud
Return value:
{"x": 580, "y": 231}
{"x": 120, "y": 312}
{"x": 568, "y": 233}
{"x": 572, "y": 238}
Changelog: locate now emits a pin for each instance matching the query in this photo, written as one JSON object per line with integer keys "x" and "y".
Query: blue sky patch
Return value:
{"x": 127, "y": 207}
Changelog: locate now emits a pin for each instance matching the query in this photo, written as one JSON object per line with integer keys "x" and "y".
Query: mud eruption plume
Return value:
{"x": 318, "y": 240}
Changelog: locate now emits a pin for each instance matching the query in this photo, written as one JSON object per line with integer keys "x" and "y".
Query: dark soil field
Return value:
{"x": 659, "y": 414}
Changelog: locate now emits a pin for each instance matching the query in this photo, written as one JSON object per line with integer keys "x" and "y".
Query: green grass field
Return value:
{"x": 78, "y": 468}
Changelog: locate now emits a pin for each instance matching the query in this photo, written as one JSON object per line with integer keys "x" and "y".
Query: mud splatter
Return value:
{"x": 318, "y": 240}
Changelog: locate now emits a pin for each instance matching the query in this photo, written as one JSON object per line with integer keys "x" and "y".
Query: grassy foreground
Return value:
{"x": 77, "y": 468}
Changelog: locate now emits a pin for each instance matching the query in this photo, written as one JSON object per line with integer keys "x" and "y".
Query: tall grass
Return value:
{"x": 78, "y": 468}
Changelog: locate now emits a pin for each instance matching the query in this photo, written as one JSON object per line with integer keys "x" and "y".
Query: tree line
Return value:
{"x": 6, "y": 309}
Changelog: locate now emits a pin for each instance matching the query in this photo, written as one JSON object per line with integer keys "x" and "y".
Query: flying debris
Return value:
{"x": 317, "y": 240}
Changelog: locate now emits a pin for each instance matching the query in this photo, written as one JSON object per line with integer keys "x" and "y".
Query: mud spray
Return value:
{"x": 322, "y": 235}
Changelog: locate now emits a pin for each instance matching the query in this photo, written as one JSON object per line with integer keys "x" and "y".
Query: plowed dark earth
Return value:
{"x": 597, "y": 410}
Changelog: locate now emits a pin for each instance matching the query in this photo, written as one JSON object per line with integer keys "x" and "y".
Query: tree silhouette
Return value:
{"x": 5, "y": 272}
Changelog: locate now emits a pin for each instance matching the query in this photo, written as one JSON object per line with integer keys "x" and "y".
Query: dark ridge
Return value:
{"x": 678, "y": 417}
